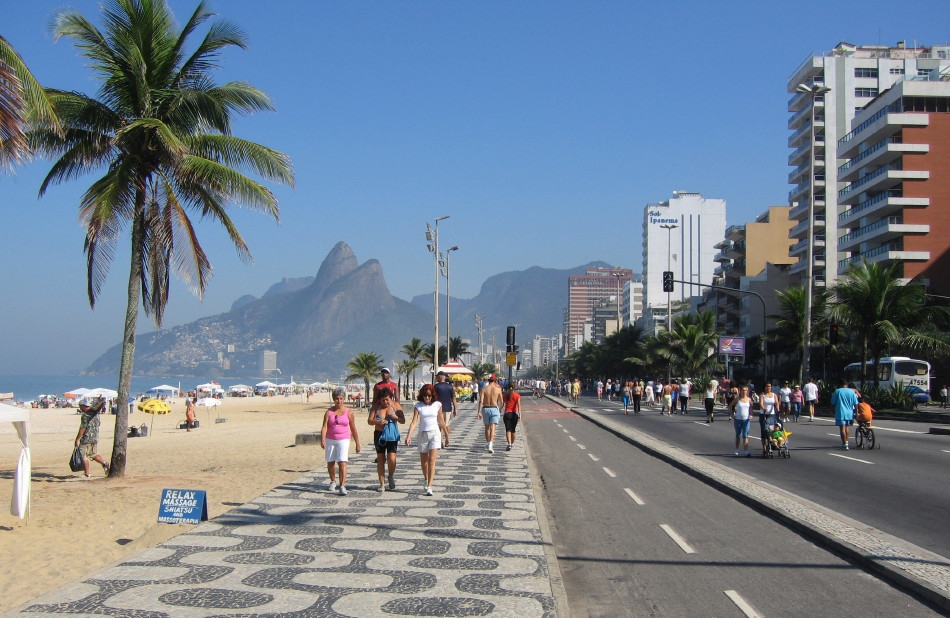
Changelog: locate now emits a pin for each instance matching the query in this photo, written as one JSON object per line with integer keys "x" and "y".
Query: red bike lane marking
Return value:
{"x": 543, "y": 408}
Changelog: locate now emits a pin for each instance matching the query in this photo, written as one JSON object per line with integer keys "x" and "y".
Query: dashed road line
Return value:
{"x": 870, "y": 463}
{"x": 594, "y": 457}
{"x": 610, "y": 473}
{"x": 677, "y": 539}
{"x": 573, "y": 439}
{"x": 634, "y": 496}
{"x": 582, "y": 447}
{"x": 741, "y": 603}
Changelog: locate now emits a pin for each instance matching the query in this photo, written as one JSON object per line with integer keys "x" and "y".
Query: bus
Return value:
{"x": 891, "y": 370}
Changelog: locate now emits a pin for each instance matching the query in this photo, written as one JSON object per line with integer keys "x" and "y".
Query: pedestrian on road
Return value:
{"x": 667, "y": 391}
{"x": 797, "y": 400}
{"x": 844, "y": 400}
{"x": 575, "y": 389}
{"x": 739, "y": 413}
{"x": 600, "y": 390}
{"x": 811, "y": 398}
{"x": 649, "y": 397}
{"x": 388, "y": 412}
{"x": 430, "y": 417}
{"x": 512, "y": 414}
{"x": 684, "y": 396}
{"x": 625, "y": 394}
{"x": 785, "y": 407}
{"x": 768, "y": 406}
{"x": 489, "y": 405}
{"x": 943, "y": 396}
{"x": 335, "y": 435}
{"x": 709, "y": 400}
{"x": 637, "y": 394}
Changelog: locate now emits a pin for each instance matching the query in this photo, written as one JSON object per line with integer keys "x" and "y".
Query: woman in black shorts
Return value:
{"x": 389, "y": 411}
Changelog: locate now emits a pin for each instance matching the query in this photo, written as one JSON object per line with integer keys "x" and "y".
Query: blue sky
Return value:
{"x": 541, "y": 128}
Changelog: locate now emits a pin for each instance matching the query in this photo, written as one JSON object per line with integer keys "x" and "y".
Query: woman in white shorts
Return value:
{"x": 428, "y": 414}
{"x": 338, "y": 428}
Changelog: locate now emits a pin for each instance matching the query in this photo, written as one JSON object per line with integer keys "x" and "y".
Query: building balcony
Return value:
{"x": 885, "y": 253}
{"x": 879, "y": 155}
{"x": 879, "y": 125}
{"x": 878, "y": 181}
{"x": 801, "y": 229}
{"x": 799, "y": 248}
{"x": 735, "y": 232}
{"x": 881, "y": 205}
{"x": 881, "y": 232}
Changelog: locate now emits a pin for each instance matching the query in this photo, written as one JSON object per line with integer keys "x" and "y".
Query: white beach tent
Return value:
{"x": 164, "y": 388}
{"x": 20, "y": 504}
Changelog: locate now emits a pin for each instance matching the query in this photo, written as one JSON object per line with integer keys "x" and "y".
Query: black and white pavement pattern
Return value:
{"x": 474, "y": 548}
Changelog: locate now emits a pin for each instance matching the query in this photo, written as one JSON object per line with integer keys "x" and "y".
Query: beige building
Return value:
{"x": 752, "y": 257}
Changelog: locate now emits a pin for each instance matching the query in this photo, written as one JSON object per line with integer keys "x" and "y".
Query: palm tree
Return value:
{"x": 429, "y": 349}
{"x": 365, "y": 366}
{"x": 691, "y": 346}
{"x": 481, "y": 371}
{"x": 874, "y": 303}
{"x": 23, "y": 103}
{"x": 414, "y": 351}
{"x": 458, "y": 347}
{"x": 160, "y": 135}
{"x": 789, "y": 330}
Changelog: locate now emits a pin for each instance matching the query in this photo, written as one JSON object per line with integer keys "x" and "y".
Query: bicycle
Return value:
{"x": 864, "y": 436}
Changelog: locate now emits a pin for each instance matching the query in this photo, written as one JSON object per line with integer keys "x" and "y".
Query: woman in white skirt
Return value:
{"x": 338, "y": 428}
{"x": 430, "y": 418}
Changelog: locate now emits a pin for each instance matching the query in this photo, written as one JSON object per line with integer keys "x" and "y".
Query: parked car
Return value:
{"x": 918, "y": 394}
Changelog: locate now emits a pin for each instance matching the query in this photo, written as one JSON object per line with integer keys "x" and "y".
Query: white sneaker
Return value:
{"x": 428, "y": 491}
{"x": 342, "y": 490}
{"x": 736, "y": 453}
{"x": 491, "y": 447}
{"x": 332, "y": 486}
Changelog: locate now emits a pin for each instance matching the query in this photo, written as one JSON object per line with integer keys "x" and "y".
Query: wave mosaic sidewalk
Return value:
{"x": 475, "y": 548}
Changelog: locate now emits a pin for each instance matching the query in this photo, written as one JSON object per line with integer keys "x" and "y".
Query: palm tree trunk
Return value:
{"x": 121, "y": 438}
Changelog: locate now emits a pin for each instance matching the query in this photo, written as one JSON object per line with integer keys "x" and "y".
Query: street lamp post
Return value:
{"x": 813, "y": 91}
{"x": 432, "y": 242}
{"x": 618, "y": 276}
{"x": 447, "y": 273}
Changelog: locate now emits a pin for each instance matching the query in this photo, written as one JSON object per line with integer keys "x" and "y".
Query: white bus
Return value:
{"x": 891, "y": 370}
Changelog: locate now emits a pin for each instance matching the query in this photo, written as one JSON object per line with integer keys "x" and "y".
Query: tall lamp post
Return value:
{"x": 447, "y": 273}
{"x": 432, "y": 243}
{"x": 618, "y": 276}
{"x": 669, "y": 227}
{"x": 813, "y": 91}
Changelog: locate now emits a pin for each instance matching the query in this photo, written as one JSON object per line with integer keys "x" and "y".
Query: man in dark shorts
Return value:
{"x": 445, "y": 394}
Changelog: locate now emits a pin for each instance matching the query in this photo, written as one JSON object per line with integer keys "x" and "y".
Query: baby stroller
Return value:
{"x": 777, "y": 441}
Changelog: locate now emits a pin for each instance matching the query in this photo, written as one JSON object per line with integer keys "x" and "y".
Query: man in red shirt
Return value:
{"x": 385, "y": 383}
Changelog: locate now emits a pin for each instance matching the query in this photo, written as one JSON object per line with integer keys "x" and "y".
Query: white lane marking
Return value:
{"x": 744, "y": 607}
{"x": 564, "y": 430}
{"x": 677, "y": 539}
{"x": 582, "y": 447}
{"x": 573, "y": 439}
{"x": 879, "y": 428}
{"x": 634, "y": 496}
{"x": 943, "y": 451}
{"x": 610, "y": 473}
{"x": 594, "y": 457}
{"x": 851, "y": 458}
{"x": 701, "y": 423}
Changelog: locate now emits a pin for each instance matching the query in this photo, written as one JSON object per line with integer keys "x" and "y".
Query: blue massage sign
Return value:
{"x": 183, "y": 506}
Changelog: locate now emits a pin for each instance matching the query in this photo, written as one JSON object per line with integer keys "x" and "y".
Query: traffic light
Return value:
{"x": 510, "y": 338}
{"x": 667, "y": 280}
{"x": 833, "y": 335}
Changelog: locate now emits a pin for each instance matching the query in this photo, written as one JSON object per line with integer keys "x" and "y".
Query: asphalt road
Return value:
{"x": 635, "y": 536}
{"x": 901, "y": 487}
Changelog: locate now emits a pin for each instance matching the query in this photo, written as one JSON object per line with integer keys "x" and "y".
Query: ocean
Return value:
{"x": 30, "y": 387}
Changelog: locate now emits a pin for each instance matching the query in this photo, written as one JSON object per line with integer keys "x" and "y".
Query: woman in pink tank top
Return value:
{"x": 335, "y": 438}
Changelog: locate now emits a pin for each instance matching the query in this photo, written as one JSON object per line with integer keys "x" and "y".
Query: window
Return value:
{"x": 865, "y": 72}
{"x": 923, "y": 72}
{"x": 865, "y": 92}
{"x": 897, "y": 70}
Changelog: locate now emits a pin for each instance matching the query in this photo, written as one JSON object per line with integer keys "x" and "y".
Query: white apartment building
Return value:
{"x": 855, "y": 76}
{"x": 680, "y": 235}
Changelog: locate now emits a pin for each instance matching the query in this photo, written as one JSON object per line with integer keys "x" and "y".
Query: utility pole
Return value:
{"x": 481, "y": 344}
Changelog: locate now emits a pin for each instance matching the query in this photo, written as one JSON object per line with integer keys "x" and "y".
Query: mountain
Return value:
{"x": 315, "y": 330}
{"x": 316, "y": 325}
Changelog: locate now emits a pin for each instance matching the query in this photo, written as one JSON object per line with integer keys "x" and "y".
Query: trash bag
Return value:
{"x": 77, "y": 463}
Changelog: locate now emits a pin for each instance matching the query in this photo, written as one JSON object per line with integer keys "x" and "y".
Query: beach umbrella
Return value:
{"x": 454, "y": 367}
{"x": 20, "y": 503}
{"x": 208, "y": 401}
{"x": 153, "y": 407}
{"x": 105, "y": 393}
{"x": 76, "y": 392}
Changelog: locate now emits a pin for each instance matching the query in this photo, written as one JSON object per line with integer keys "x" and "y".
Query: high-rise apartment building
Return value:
{"x": 896, "y": 203}
{"x": 680, "y": 235}
{"x": 854, "y": 76}
{"x": 584, "y": 293}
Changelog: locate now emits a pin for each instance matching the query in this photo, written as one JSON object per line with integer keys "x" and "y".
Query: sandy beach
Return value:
{"x": 79, "y": 525}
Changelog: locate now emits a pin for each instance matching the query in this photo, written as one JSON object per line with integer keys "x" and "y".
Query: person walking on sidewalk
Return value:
{"x": 512, "y": 414}
{"x": 489, "y": 405}
{"x": 811, "y": 398}
{"x": 389, "y": 412}
{"x": 709, "y": 400}
{"x": 335, "y": 435}
{"x": 445, "y": 394}
{"x": 430, "y": 417}
{"x": 739, "y": 413}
